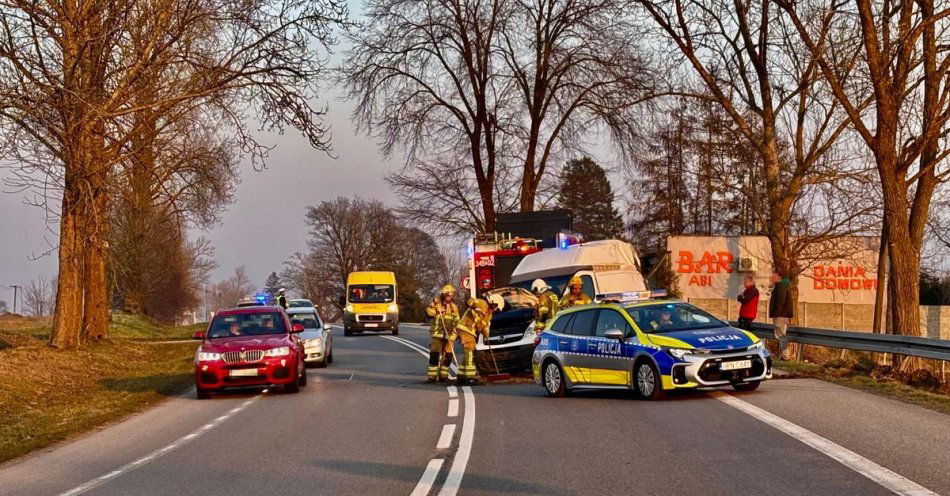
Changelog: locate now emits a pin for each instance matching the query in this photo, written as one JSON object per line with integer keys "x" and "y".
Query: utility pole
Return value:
{"x": 15, "y": 289}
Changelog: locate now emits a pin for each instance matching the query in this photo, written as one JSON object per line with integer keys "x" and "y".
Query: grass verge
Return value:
{"x": 852, "y": 374}
{"x": 49, "y": 395}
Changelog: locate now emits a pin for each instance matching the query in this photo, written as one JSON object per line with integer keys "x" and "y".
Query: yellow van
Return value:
{"x": 370, "y": 303}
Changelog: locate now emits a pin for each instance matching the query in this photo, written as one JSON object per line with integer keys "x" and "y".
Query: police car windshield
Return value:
{"x": 672, "y": 317}
{"x": 247, "y": 324}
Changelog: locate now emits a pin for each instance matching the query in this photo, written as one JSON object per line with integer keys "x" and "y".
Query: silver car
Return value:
{"x": 317, "y": 337}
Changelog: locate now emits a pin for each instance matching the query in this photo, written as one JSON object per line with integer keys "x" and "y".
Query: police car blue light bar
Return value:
{"x": 632, "y": 296}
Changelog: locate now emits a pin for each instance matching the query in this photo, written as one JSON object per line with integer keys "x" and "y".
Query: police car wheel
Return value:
{"x": 746, "y": 386}
{"x": 647, "y": 381}
{"x": 553, "y": 380}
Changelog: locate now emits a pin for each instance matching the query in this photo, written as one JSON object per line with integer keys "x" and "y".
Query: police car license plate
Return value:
{"x": 243, "y": 373}
{"x": 736, "y": 365}
{"x": 372, "y": 325}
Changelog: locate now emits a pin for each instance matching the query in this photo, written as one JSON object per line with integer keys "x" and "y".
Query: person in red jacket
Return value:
{"x": 749, "y": 298}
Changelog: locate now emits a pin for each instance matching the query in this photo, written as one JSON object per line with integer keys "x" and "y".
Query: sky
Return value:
{"x": 250, "y": 234}
{"x": 264, "y": 225}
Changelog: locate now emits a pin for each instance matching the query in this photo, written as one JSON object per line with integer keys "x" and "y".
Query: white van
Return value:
{"x": 605, "y": 267}
{"x": 609, "y": 266}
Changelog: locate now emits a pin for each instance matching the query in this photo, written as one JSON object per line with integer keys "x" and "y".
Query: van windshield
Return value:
{"x": 371, "y": 293}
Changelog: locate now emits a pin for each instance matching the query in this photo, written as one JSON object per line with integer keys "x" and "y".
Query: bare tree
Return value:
{"x": 751, "y": 64}
{"x": 227, "y": 293}
{"x": 903, "y": 56}
{"x": 484, "y": 94}
{"x": 38, "y": 296}
{"x": 71, "y": 88}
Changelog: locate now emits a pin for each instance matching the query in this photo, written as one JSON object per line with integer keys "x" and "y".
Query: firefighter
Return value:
{"x": 476, "y": 322}
{"x": 547, "y": 305}
{"x": 281, "y": 298}
{"x": 445, "y": 316}
{"x": 575, "y": 295}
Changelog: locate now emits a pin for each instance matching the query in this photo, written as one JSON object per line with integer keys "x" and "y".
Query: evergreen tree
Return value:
{"x": 586, "y": 192}
{"x": 272, "y": 285}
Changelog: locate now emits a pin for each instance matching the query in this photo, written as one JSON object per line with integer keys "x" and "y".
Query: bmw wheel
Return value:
{"x": 303, "y": 378}
{"x": 553, "y": 380}
{"x": 647, "y": 381}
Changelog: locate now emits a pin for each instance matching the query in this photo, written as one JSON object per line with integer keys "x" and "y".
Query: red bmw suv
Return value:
{"x": 250, "y": 346}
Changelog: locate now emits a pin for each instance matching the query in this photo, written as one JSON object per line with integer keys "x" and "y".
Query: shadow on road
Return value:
{"x": 405, "y": 473}
{"x": 164, "y": 384}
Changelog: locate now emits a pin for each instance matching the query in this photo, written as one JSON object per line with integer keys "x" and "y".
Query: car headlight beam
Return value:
{"x": 758, "y": 345}
{"x": 393, "y": 308}
{"x": 678, "y": 353}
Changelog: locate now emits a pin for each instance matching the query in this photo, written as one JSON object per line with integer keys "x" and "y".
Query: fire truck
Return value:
{"x": 492, "y": 257}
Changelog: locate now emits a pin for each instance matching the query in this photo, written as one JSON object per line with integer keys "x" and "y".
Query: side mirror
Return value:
{"x": 327, "y": 327}
{"x": 342, "y": 301}
{"x": 199, "y": 334}
{"x": 614, "y": 334}
{"x": 296, "y": 327}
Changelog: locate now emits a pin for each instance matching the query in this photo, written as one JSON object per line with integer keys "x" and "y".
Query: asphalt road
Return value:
{"x": 368, "y": 425}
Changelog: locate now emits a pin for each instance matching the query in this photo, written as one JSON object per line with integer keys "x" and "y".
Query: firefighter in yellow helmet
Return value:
{"x": 547, "y": 305}
{"x": 445, "y": 316}
{"x": 475, "y": 322}
{"x": 575, "y": 294}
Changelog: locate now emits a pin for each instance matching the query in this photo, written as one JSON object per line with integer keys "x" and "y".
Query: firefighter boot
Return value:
{"x": 471, "y": 373}
{"x": 444, "y": 368}
{"x": 432, "y": 374}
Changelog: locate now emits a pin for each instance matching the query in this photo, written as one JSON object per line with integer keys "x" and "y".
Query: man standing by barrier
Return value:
{"x": 781, "y": 310}
{"x": 749, "y": 299}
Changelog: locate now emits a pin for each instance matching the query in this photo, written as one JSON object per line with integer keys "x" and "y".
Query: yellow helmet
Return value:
{"x": 478, "y": 304}
{"x": 448, "y": 288}
{"x": 576, "y": 281}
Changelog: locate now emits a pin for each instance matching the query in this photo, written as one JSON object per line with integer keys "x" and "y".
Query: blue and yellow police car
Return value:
{"x": 651, "y": 346}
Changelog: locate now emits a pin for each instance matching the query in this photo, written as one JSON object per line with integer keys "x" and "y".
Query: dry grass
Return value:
{"x": 862, "y": 371}
{"x": 49, "y": 395}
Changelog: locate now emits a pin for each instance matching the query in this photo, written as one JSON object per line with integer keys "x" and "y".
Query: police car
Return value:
{"x": 635, "y": 341}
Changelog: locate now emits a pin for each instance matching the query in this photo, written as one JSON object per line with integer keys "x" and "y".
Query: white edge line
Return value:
{"x": 428, "y": 478}
{"x": 453, "y": 408}
{"x": 881, "y": 475}
{"x": 445, "y": 439}
{"x": 453, "y": 480}
{"x": 128, "y": 467}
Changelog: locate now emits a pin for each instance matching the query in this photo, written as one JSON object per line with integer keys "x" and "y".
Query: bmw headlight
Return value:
{"x": 393, "y": 308}
{"x": 277, "y": 352}
{"x": 758, "y": 345}
{"x": 207, "y": 356}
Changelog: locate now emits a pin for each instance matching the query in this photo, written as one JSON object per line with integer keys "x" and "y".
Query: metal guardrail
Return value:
{"x": 938, "y": 349}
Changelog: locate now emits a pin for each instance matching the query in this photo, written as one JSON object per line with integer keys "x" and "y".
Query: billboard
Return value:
{"x": 843, "y": 270}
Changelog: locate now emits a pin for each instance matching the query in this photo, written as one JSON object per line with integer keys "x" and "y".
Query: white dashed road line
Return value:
{"x": 887, "y": 478}
{"x": 453, "y": 481}
{"x": 445, "y": 440}
{"x": 428, "y": 477}
{"x": 159, "y": 452}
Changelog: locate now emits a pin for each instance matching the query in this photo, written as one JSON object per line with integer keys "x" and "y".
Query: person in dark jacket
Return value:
{"x": 781, "y": 310}
{"x": 749, "y": 298}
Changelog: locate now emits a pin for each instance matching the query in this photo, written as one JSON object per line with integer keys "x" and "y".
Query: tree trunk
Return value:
{"x": 67, "y": 314}
{"x": 879, "y": 291}
{"x": 96, "y": 295}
